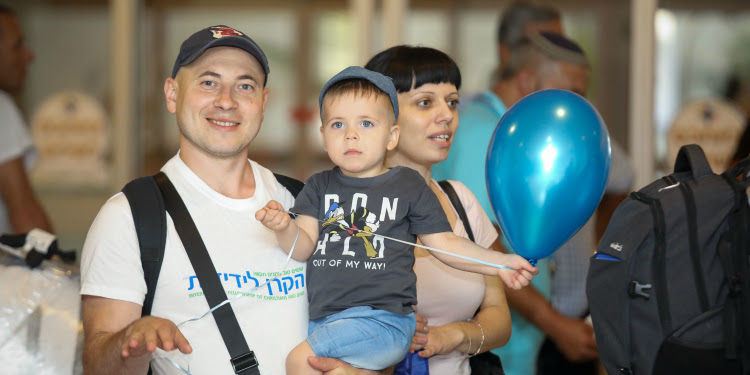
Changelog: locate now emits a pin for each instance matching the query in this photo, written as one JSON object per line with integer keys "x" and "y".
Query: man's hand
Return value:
{"x": 575, "y": 339}
{"x": 523, "y": 274}
{"x": 332, "y": 366}
{"x": 273, "y": 216}
{"x": 117, "y": 340}
{"x": 144, "y": 335}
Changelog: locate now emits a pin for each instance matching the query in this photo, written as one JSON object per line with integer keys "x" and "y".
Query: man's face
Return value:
{"x": 564, "y": 76}
{"x": 15, "y": 56}
{"x": 219, "y": 101}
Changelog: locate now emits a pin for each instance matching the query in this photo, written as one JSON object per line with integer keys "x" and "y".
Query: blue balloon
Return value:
{"x": 547, "y": 167}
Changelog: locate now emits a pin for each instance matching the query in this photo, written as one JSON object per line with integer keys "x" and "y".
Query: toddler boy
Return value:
{"x": 361, "y": 285}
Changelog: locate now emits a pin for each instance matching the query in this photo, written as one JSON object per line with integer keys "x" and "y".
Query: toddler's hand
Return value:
{"x": 273, "y": 216}
{"x": 523, "y": 273}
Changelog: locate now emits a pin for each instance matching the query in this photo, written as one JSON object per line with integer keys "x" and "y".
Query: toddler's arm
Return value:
{"x": 273, "y": 217}
{"x": 448, "y": 241}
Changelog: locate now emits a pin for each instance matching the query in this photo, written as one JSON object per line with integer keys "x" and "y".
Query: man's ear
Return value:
{"x": 393, "y": 137}
{"x": 525, "y": 82}
{"x": 263, "y": 107}
{"x": 170, "y": 93}
{"x": 503, "y": 54}
{"x": 265, "y": 98}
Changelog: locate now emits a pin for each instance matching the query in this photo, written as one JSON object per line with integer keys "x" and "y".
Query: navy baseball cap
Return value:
{"x": 380, "y": 81}
{"x": 218, "y": 36}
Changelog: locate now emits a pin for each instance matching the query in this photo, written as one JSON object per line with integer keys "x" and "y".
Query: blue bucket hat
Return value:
{"x": 380, "y": 81}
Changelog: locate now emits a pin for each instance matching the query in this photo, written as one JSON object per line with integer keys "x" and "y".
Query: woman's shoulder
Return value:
{"x": 464, "y": 193}
{"x": 481, "y": 224}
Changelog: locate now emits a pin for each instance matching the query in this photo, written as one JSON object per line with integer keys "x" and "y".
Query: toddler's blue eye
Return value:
{"x": 367, "y": 124}
{"x": 337, "y": 125}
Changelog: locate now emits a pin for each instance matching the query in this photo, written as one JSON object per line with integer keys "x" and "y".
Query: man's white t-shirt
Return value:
{"x": 15, "y": 142}
{"x": 245, "y": 254}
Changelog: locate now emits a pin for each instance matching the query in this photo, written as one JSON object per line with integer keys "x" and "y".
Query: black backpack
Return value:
{"x": 669, "y": 285}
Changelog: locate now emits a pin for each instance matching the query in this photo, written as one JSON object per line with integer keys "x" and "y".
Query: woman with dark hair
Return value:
{"x": 467, "y": 313}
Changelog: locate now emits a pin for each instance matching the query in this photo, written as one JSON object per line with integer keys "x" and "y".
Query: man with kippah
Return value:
{"x": 540, "y": 61}
{"x": 555, "y": 305}
{"x": 218, "y": 93}
{"x": 518, "y": 20}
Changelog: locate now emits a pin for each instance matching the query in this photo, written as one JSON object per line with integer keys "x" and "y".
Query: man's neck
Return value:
{"x": 507, "y": 92}
{"x": 231, "y": 177}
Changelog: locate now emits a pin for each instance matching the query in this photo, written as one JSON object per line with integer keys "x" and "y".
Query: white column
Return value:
{"x": 123, "y": 41}
{"x": 362, "y": 13}
{"x": 642, "y": 89}
{"x": 393, "y": 17}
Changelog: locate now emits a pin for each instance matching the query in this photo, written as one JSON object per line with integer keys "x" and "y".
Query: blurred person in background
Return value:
{"x": 520, "y": 19}
{"x": 20, "y": 211}
{"x": 738, "y": 93}
{"x": 470, "y": 147}
{"x": 556, "y": 306}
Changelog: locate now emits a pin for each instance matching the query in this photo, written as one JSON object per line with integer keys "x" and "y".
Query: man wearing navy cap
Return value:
{"x": 536, "y": 56}
{"x": 218, "y": 95}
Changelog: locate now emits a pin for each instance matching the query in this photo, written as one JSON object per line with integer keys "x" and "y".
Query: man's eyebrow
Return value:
{"x": 210, "y": 74}
{"x": 246, "y": 76}
{"x": 217, "y": 75}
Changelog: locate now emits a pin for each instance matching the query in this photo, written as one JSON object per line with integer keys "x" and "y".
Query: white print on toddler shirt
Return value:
{"x": 359, "y": 226}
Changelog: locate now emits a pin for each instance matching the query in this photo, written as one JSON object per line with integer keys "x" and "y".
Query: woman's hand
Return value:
{"x": 442, "y": 339}
{"x": 420, "y": 334}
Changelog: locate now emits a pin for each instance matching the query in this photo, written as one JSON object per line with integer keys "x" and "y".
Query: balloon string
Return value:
{"x": 424, "y": 247}
{"x": 187, "y": 360}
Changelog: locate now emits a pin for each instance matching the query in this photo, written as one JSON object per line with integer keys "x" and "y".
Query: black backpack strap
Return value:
{"x": 149, "y": 217}
{"x": 293, "y": 185}
{"x": 659, "y": 260}
{"x": 242, "y": 358}
{"x": 691, "y": 158}
{"x": 456, "y": 202}
{"x": 688, "y": 197}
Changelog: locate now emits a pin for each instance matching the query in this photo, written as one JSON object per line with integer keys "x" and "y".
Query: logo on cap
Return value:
{"x": 220, "y": 32}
